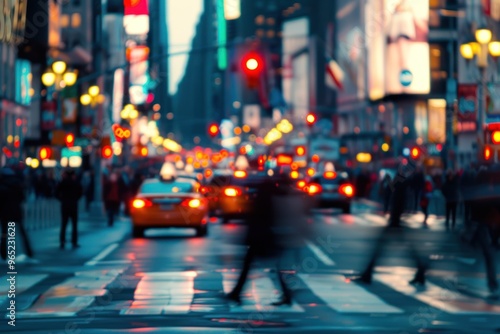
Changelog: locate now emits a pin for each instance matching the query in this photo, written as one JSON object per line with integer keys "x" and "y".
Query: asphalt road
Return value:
{"x": 174, "y": 282}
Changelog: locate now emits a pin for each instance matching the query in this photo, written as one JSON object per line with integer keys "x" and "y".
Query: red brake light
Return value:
{"x": 232, "y": 192}
{"x": 240, "y": 174}
{"x": 314, "y": 189}
{"x": 205, "y": 190}
{"x": 347, "y": 190}
{"x": 140, "y": 203}
{"x": 301, "y": 184}
{"x": 193, "y": 203}
{"x": 330, "y": 175}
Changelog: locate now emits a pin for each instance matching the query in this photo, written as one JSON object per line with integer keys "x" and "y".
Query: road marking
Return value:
{"x": 346, "y": 297}
{"x": 102, "y": 255}
{"x": 320, "y": 254}
{"x": 448, "y": 300}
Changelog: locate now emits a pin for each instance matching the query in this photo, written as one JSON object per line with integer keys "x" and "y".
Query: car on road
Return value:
{"x": 173, "y": 202}
{"x": 332, "y": 190}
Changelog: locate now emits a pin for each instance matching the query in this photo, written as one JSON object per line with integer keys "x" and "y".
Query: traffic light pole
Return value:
{"x": 97, "y": 206}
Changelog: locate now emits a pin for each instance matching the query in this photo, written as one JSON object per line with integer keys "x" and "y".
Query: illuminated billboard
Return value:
{"x": 139, "y": 75}
{"x": 136, "y": 18}
{"x": 398, "y": 49}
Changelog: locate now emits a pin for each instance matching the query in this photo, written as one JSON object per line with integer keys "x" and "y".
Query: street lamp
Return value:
{"x": 92, "y": 97}
{"x": 129, "y": 112}
{"x": 59, "y": 75}
{"x": 481, "y": 48}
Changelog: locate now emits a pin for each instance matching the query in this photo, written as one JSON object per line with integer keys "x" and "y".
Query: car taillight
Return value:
{"x": 347, "y": 190}
{"x": 330, "y": 175}
{"x": 193, "y": 203}
{"x": 301, "y": 184}
{"x": 140, "y": 203}
{"x": 205, "y": 190}
{"x": 232, "y": 192}
{"x": 314, "y": 189}
{"x": 240, "y": 174}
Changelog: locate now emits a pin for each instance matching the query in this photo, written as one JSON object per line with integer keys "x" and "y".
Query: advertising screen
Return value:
{"x": 398, "y": 48}
{"x": 23, "y": 85}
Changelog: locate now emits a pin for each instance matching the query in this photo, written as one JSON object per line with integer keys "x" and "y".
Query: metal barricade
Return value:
{"x": 41, "y": 213}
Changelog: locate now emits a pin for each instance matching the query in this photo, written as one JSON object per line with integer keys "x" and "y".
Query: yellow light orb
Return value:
{"x": 85, "y": 99}
{"x": 35, "y": 163}
{"x": 59, "y": 67}
{"x": 385, "y": 147}
{"x": 466, "y": 51}
{"x": 483, "y": 36}
{"x": 494, "y": 49}
{"x": 70, "y": 78}
{"x": 48, "y": 79}
{"x": 94, "y": 91}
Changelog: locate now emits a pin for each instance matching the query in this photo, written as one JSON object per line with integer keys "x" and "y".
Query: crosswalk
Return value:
{"x": 202, "y": 292}
{"x": 411, "y": 220}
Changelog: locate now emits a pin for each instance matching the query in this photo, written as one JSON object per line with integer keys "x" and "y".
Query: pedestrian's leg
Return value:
{"x": 484, "y": 239}
{"x": 111, "y": 213}
{"x": 448, "y": 211}
{"x": 74, "y": 227}
{"x": 64, "y": 223}
{"x": 425, "y": 209}
{"x": 235, "y": 293}
{"x": 453, "y": 215}
{"x": 25, "y": 239}
{"x": 419, "y": 277}
{"x": 3, "y": 240}
{"x": 366, "y": 276}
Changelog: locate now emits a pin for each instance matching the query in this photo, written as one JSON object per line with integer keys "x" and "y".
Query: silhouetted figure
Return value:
{"x": 450, "y": 193}
{"x": 417, "y": 186}
{"x": 484, "y": 198}
{"x": 88, "y": 189}
{"x": 386, "y": 191}
{"x": 395, "y": 232}
{"x": 261, "y": 239}
{"x": 68, "y": 192}
{"x": 425, "y": 200}
{"x": 466, "y": 183}
{"x": 11, "y": 209}
{"x": 112, "y": 196}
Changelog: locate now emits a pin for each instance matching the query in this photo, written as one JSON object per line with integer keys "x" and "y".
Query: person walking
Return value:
{"x": 112, "y": 196}
{"x": 395, "y": 232}
{"x": 426, "y": 199}
{"x": 68, "y": 192}
{"x": 261, "y": 241}
{"x": 12, "y": 196}
{"x": 450, "y": 193}
{"x": 386, "y": 191}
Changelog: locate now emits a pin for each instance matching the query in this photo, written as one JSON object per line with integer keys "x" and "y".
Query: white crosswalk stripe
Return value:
{"x": 175, "y": 293}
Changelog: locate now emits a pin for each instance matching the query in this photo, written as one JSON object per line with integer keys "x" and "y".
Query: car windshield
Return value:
{"x": 166, "y": 187}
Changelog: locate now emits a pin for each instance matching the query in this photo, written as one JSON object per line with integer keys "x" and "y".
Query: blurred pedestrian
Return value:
{"x": 12, "y": 196}
{"x": 261, "y": 239}
{"x": 385, "y": 192}
{"x": 484, "y": 198}
{"x": 112, "y": 196}
{"x": 395, "y": 232}
{"x": 88, "y": 184}
{"x": 425, "y": 199}
{"x": 417, "y": 186}
{"x": 126, "y": 186}
{"x": 68, "y": 192}
{"x": 450, "y": 193}
{"x": 466, "y": 183}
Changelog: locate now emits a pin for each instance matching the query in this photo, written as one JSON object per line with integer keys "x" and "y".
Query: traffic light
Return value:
{"x": 213, "y": 130}
{"x": 487, "y": 153}
{"x": 415, "y": 153}
{"x": 300, "y": 151}
{"x": 106, "y": 152}
{"x": 495, "y": 137}
{"x": 45, "y": 153}
{"x": 252, "y": 66}
{"x": 311, "y": 119}
{"x": 69, "y": 140}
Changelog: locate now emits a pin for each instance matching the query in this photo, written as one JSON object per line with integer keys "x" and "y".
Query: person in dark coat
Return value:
{"x": 395, "y": 232}
{"x": 88, "y": 188}
{"x": 112, "y": 194}
{"x": 386, "y": 191}
{"x": 418, "y": 185}
{"x": 484, "y": 198}
{"x": 466, "y": 183}
{"x": 261, "y": 239}
{"x": 11, "y": 209}
{"x": 68, "y": 192}
{"x": 450, "y": 193}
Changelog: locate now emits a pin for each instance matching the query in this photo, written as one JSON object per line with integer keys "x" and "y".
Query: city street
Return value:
{"x": 174, "y": 282}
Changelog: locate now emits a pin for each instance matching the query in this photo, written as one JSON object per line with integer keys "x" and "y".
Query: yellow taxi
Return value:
{"x": 169, "y": 202}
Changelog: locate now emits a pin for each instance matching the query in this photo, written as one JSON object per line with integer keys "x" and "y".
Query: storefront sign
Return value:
{"x": 12, "y": 21}
{"x": 48, "y": 115}
{"x": 467, "y": 108}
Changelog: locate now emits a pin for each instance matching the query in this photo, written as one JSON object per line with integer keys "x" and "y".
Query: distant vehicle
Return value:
{"x": 332, "y": 189}
{"x": 172, "y": 202}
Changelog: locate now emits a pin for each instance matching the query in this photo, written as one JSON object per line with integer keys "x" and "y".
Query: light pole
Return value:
{"x": 94, "y": 99}
{"x": 481, "y": 48}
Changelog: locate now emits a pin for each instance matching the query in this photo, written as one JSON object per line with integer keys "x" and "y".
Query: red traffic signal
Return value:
{"x": 415, "y": 153}
{"x": 45, "y": 153}
{"x": 252, "y": 66}
{"x": 107, "y": 152}
{"x": 69, "y": 140}
{"x": 300, "y": 151}
{"x": 495, "y": 137}
{"x": 487, "y": 153}
{"x": 213, "y": 130}
{"x": 311, "y": 119}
